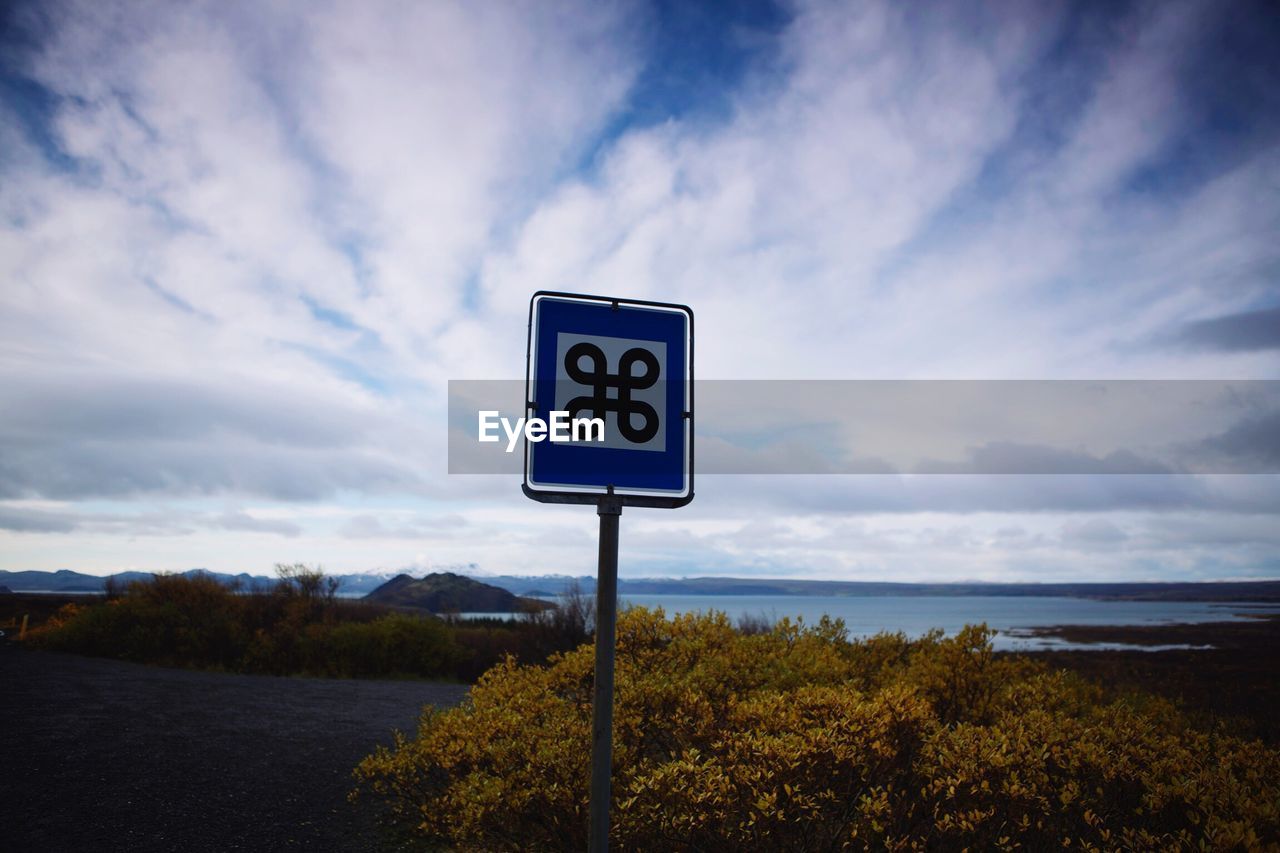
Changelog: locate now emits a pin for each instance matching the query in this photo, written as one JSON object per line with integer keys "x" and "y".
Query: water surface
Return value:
{"x": 913, "y": 615}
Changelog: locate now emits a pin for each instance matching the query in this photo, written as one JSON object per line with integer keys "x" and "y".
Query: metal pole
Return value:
{"x": 609, "y": 509}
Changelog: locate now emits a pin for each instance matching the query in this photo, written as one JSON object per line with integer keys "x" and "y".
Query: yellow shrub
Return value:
{"x": 799, "y": 740}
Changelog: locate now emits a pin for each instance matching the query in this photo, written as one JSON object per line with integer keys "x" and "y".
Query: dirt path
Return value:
{"x": 104, "y": 755}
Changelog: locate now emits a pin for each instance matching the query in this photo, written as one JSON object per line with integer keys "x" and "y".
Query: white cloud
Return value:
{"x": 270, "y": 232}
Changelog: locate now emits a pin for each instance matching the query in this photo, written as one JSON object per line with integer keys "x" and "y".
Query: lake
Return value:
{"x": 914, "y": 615}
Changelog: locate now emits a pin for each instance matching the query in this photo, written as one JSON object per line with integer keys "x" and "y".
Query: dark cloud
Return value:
{"x": 1245, "y": 332}
{"x": 108, "y": 407}
{"x": 245, "y": 522}
{"x": 124, "y": 469}
{"x": 34, "y": 521}
{"x": 24, "y": 520}
{"x": 1254, "y": 441}
{"x": 1007, "y": 457}
{"x": 371, "y": 527}
{"x": 72, "y": 436}
{"x": 1093, "y": 532}
{"x": 961, "y": 493}
{"x": 161, "y": 523}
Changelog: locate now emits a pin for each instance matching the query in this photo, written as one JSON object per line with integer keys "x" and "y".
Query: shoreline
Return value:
{"x": 1246, "y": 631}
{"x": 1233, "y": 686}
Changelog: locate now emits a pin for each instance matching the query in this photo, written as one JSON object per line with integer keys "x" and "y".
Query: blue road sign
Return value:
{"x": 625, "y": 368}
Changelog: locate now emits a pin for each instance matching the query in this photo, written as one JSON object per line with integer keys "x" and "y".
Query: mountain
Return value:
{"x": 550, "y": 586}
{"x": 363, "y": 583}
{"x": 65, "y": 580}
{"x": 445, "y": 592}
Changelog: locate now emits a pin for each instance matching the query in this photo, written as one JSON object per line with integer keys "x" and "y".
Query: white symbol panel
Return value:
{"x": 621, "y": 380}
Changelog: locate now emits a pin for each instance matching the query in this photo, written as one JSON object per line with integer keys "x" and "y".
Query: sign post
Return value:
{"x": 610, "y": 511}
{"x": 628, "y": 365}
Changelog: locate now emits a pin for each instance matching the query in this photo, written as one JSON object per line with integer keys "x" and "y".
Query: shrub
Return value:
{"x": 396, "y": 644}
{"x": 296, "y": 627}
{"x": 173, "y": 619}
{"x": 798, "y": 739}
{"x": 300, "y": 626}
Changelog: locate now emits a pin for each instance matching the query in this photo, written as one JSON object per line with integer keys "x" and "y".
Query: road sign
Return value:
{"x": 626, "y": 365}
{"x": 629, "y": 365}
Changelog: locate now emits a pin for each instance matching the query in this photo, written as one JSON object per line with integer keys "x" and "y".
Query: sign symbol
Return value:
{"x": 600, "y": 380}
{"x": 624, "y": 363}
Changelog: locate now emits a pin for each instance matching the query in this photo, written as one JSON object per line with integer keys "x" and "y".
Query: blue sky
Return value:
{"x": 244, "y": 246}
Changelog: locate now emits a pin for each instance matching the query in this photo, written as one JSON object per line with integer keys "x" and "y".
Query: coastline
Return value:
{"x": 1233, "y": 686}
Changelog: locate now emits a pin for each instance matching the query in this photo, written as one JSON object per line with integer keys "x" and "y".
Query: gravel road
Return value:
{"x": 105, "y": 755}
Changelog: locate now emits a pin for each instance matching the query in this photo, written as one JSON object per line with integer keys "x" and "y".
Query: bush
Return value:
{"x": 798, "y": 739}
{"x": 173, "y": 620}
{"x": 396, "y": 644}
{"x": 300, "y": 626}
{"x": 297, "y": 627}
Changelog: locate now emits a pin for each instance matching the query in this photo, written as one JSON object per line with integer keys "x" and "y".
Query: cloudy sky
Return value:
{"x": 245, "y": 246}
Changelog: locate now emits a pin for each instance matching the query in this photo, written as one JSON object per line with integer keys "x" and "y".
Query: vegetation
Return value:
{"x": 299, "y": 627}
{"x": 798, "y": 739}
{"x": 747, "y": 736}
{"x": 1228, "y": 680}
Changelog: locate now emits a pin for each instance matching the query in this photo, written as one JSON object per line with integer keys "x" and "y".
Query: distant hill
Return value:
{"x": 1173, "y": 591}
{"x": 445, "y": 592}
{"x": 549, "y": 586}
{"x": 65, "y": 580}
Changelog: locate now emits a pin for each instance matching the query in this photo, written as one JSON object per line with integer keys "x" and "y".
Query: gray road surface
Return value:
{"x": 105, "y": 755}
